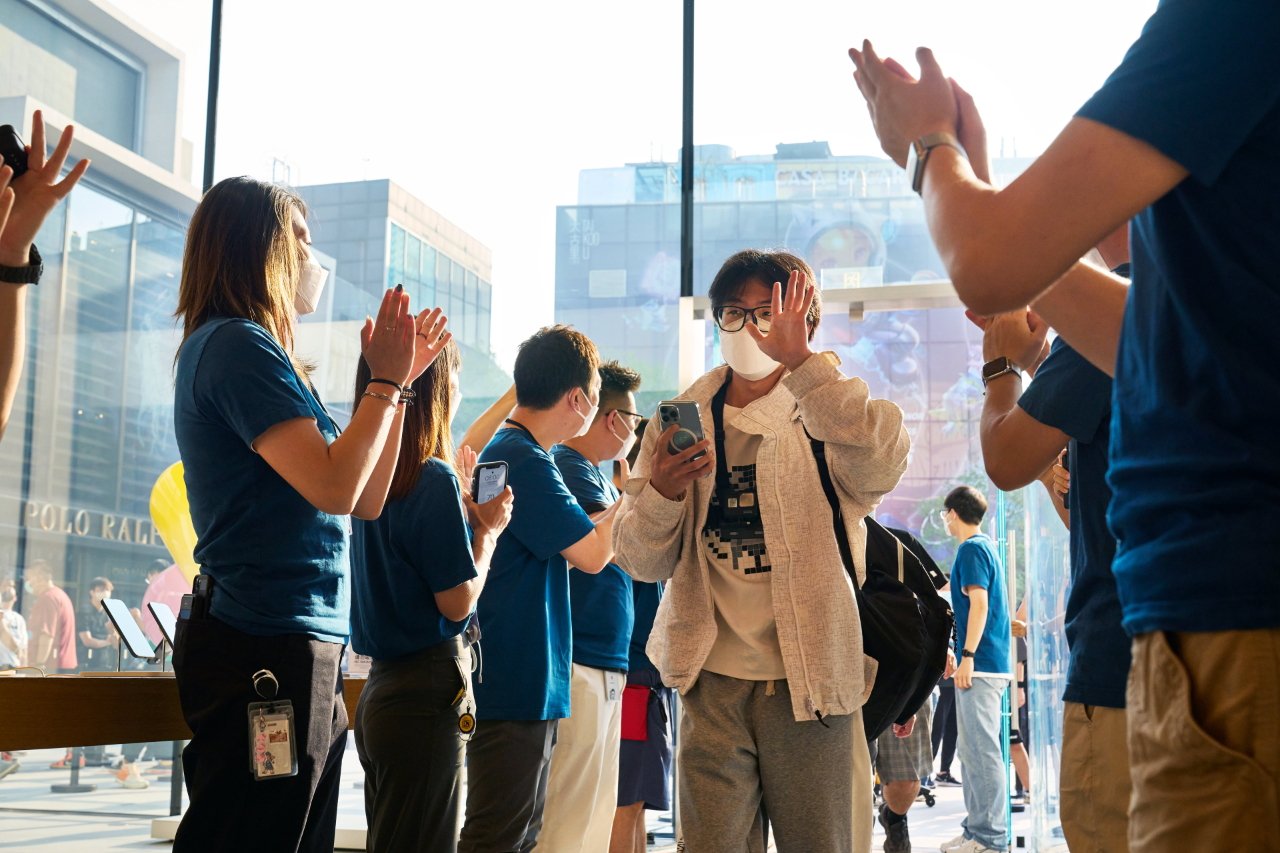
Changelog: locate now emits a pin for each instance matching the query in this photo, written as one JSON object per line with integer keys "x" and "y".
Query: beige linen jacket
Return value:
{"x": 818, "y": 626}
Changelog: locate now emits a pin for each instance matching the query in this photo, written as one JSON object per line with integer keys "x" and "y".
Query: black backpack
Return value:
{"x": 906, "y": 625}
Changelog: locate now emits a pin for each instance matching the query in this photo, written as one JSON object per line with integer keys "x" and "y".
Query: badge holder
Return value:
{"x": 272, "y": 750}
{"x": 464, "y": 703}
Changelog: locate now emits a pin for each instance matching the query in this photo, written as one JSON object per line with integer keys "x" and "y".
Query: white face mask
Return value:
{"x": 310, "y": 286}
{"x": 744, "y": 356}
{"x": 627, "y": 443}
{"x": 588, "y": 417}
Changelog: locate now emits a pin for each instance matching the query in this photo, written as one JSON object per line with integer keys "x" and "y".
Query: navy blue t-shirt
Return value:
{"x": 1195, "y": 468}
{"x": 976, "y": 564}
{"x": 600, "y": 604}
{"x": 646, "y": 598}
{"x": 279, "y": 565}
{"x": 419, "y": 546}
{"x": 1073, "y": 396}
{"x": 524, "y": 610}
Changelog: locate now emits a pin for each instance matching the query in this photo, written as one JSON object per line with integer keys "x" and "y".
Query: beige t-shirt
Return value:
{"x": 746, "y": 644}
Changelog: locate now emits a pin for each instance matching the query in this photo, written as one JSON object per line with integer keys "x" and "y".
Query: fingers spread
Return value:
{"x": 54, "y": 167}
{"x": 35, "y": 153}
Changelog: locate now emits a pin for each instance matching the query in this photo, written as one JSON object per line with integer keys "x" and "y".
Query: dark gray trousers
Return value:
{"x": 508, "y": 762}
{"x": 409, "y": 745}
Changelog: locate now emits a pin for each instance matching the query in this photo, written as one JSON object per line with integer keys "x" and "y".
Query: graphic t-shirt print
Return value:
{"x": 735, "y": 533}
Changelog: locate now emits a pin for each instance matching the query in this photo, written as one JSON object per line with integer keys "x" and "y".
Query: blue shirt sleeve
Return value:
{"x": 1197, "y": 82}
{"x": 546, "y": 517}
{"x": 973, "y": 567}
{"x": 430, "y": 531}
{"x": 245, "y": 380}
{"x": 581, "y": 480}
{"x": 1068, "y": 394}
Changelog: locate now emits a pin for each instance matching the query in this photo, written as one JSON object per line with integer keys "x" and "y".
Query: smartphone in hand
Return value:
{"x": 682, "y": 413}
{"x": 13, "y": 150}
{"x": 488, "y": 481}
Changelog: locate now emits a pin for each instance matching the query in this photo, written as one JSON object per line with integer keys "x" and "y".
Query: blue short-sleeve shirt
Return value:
{"x": 646, "y": 597}
{"x": 976, "y": 564}
{"x": 279, "y": 565}
{"x": 601, "y": 604}
{"x": 419, "y": 546}
{"x": 1194, "y": 466}
{"x": 1073, "y": 396}
{"x": 525, "y": 624}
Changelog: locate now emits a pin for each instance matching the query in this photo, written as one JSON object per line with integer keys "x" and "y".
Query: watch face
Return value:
{"x": 995, "y": 367}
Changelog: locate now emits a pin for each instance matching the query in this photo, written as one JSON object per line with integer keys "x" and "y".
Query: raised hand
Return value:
{"x": 670, "y": 475}
{"x": 36, "y": 192}
{"x": 972, "y": 133}
{"x": 430, "y": 339}
{"x": 1018, "y": 336}
{"x": 387, "y": 342}
{"x": 787, "y": 341}
{"x": 902, "y": 108}
{"x": 465, "y": 464}
{"x": 621, "y": 473}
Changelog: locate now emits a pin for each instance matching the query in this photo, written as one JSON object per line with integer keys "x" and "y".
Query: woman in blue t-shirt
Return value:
{"x": 270, "y": 484}
{"x": 417, "y": 571}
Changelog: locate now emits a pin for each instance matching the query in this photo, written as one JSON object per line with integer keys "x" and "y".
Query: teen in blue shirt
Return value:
{"x": 270, "y": 482}
{"x": 583, "y": 787}
{"x": 523, "y": 686}
{"x": 417, "y": 571}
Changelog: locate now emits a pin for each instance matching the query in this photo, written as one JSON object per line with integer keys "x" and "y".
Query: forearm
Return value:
{"x": 998, "y": 261}
{"x": 482, "y": 430}
{"x": 13, "y": 342}
{"x": 976, "y": 625}
{"x": 1002, "y": 395}
{"x": 354, "y": 455}
{"x": 374, "y": 496}
{"x": 44, "y": 650}
{"x": 1086, "y": 306}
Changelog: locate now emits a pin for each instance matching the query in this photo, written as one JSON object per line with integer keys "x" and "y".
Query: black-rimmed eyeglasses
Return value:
{"x": 732, "y": 318}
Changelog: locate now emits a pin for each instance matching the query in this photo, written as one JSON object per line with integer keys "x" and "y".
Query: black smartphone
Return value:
{"x": 682, "y": 413}
{"x": 488, "y": 481}
{"x": 12, "y": 149}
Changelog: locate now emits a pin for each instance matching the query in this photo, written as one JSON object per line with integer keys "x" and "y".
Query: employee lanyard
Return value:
{"x": 515, "y": 423}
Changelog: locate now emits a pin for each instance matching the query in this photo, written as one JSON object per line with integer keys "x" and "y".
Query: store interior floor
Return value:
{"x": 110, "y": 818}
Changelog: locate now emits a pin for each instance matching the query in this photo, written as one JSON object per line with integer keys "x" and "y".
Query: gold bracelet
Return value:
{"x": 379, "y": 396}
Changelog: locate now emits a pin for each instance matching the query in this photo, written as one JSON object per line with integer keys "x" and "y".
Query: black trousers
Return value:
{"x": 409, "y": 745}
{"x": 508, "y": 762}
{"x": 944, "y": 724}
{"x": 214, "y": 664}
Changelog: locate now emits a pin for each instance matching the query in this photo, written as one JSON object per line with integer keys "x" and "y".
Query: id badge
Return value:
{"x": 464, "y": 703}
{"x": 614, "y": 683}
{"x": 272, "y": 750}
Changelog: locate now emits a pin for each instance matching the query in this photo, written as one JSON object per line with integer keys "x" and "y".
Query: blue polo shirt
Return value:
{"x": 419, "y": 546}
{"x": 1194, "y": 465}
{"x": 976, "y": 564}
{"x": 1073, "y": 396}
{"x": 524, "y": 616}
{"x": 279, "y": 565}
{"x": 601, "y": 604}
{"x": 646, "y": 598}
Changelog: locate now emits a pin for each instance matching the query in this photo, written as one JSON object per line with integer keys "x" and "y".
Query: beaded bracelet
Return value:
{"x": 378, "y": 396}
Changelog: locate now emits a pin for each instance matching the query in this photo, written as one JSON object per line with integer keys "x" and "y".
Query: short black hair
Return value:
{"x": 616, "y": 382}
{"x": 968, "y": 503}
{"x": 554, "y": 361}
{"x": 100, "y": 583}
{"x": 765, "y": 266}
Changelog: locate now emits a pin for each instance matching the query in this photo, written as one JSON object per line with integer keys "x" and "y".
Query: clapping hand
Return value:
{"x": 787, "y": 341}
{"x": 430, "y": 339}
{"x": 29, "y": 198}
{"x": 387, "y": 343}
{"x": 902, "y": 108}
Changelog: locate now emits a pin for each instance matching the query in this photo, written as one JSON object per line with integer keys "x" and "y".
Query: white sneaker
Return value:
{"x": 953, "y": 844}
{"x": 973, "y": 845}
{"x": 129, "y": 777}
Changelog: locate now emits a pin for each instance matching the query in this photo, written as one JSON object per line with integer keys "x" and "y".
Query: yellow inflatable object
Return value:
{"x": 171, "y": 515}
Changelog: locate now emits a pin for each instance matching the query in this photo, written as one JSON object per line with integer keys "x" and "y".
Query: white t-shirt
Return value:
{"x": 18, "y": 630}
{"x": 746, "y": 643}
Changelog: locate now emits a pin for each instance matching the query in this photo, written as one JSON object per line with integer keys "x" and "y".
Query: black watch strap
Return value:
{"x": 30, "y": 274}
{"x": 965, "y": 653}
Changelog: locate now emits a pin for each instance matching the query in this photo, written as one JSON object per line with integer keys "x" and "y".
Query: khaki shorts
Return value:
{"x": 1094, "y": 785}
{"x": 1204, "y": 741}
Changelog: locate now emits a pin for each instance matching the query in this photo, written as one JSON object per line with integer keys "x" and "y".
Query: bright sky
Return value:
{"x": 488, "y": 111}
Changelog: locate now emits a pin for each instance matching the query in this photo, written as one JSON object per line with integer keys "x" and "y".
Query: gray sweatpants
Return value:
{"x": 741, "y": 747}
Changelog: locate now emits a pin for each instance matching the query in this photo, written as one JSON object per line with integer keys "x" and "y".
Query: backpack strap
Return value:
{"x": 837, "y": 515}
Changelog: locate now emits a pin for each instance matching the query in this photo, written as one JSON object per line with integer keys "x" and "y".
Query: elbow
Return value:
{"x": 1004, "y": 473}
{"x": 456, "y": 613}
{"x": 338, "y": 502}
{"x": 984, "y": 284}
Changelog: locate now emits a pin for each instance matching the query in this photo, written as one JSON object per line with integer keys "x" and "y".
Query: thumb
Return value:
{"x": 980, "y": 322}
{"x": 366, "y": 332}
{"x": 929, "y": 66}
{"x": 756, "y": 334}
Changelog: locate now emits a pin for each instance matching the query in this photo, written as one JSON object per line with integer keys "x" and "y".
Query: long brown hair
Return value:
{"x": 427, "y": 432}
{"x": 242, "y": 258}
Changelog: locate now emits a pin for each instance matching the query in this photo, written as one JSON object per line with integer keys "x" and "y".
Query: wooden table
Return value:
{"x": 57, "y": 710}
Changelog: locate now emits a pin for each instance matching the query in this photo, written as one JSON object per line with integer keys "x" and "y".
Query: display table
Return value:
{"x": 57, "y": 710}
